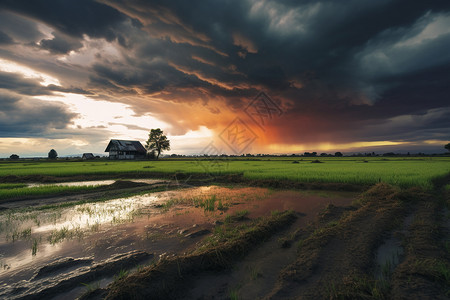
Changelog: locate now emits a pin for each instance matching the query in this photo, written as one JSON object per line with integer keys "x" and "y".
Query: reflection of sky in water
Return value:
{"x": 90, "y": 183}
{"x": 80, "y": 216}
{"x": 101, "y": 220}
{"x": 115, "y": 211}
{"x": 17, "y": 255}
{"x": 80, "y": 183}
{"x": 86, "y": 216}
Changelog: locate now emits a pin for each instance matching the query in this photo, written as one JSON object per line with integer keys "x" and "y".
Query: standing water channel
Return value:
{"x": 46, "y": 247}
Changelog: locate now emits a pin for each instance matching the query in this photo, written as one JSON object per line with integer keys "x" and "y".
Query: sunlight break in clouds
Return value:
{"x": 12, "y": 67}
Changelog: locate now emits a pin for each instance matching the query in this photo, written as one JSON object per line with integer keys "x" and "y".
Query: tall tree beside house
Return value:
{"x": 447, "y": 146}
{"x": 157, "y": 141}
{"x": 52, "y": 154}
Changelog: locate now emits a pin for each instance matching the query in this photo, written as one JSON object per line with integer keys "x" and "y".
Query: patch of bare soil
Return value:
{"x": 425, "y": 271}
{"x": 334, "y": 257}
{"x": 255, "y": 276}
{"x": 336, "y": 260}
{"x": 70, "y": 273}
{"x": 252, "y": 277}
{"x": 339, "y": 262}
{"x": 292, "y": 256}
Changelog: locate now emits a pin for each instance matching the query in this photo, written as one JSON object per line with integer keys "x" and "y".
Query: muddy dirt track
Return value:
{"x": 335, "y": 257}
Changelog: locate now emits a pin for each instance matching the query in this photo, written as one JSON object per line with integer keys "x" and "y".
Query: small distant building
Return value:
{"x": 88, "y": 156}
{"x": 121, "y": 149}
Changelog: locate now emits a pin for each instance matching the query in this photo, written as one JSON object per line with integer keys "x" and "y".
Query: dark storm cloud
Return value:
{"x": 60, "y": 44}
{"x": 147, "y": 76}
{"x": 72, "y": 90}
{"x": 32, "y": 86}
{"x": 330, "y": 49}
{"x": 24, "y": 117}
{"x": 26, "y": 86}
{"x": 70, "y": 20}
{"x": 291, "y": 37}
{"x": 18, "y": 27}
{"x": 5, "y": 39}
{"x": 74, "y": 18}
{"x": 433, "y": 124}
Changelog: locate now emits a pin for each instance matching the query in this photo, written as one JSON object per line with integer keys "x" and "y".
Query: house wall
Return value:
{"x": 124, "y": 155}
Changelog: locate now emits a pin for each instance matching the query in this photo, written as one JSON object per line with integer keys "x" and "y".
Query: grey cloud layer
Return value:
{"x": 24, "y": 117}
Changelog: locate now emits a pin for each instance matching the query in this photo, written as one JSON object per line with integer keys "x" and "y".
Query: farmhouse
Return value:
{"x": 121, "y": 149}
{"x": 87, "y": 156}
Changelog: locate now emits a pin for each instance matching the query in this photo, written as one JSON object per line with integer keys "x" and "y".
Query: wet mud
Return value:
{"x": 51, "y": 247}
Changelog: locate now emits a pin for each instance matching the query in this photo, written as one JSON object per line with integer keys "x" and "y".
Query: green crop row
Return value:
{"x": 401, "y": 172}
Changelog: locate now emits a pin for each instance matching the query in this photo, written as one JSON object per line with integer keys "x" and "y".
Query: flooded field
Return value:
{"x": 76, "y": 240}
{"x": 90, "y": 183}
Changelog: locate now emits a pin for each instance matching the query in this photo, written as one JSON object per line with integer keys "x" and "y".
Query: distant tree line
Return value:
{"x": 158, "y": 142}
{"x": 312, "y": 154}
{"x": 306, "y": 154}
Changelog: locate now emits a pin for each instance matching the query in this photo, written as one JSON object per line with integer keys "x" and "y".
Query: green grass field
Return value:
{"x": 397, "y": 171}
{"x": 19, "y": 192}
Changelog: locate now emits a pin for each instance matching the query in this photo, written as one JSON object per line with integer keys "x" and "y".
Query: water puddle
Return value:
{"x": 159, "y": 223}
{"x": 390, "y": 253}
{"x": 90, "y": 183}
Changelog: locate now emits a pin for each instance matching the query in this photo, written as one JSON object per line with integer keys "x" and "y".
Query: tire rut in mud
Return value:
{"x": 337, "y": 261}
{"x": 425, "y": 271}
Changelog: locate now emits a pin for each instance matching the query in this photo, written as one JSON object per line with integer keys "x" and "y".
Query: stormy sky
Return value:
{"x": 350, "y": 76}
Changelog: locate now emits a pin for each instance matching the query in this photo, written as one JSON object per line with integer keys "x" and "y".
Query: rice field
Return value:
{"x": 7, "y": 186}
{"x": 19, "y": 192}
{"x": 402, "y": 172}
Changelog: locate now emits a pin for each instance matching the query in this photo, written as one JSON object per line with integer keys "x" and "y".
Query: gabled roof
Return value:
{"x": 123, "y": 145}
{"x": 88, "y": 155}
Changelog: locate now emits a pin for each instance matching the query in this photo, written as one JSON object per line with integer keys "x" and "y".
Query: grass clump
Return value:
{"x": 287, "y": 240}
{"x": 233, "y": 294}
{"x": 435, "y": 268}
{"x": 231, "y": 233}
{"x": 170, "y": 203}
{"x": 255, "y": 273}
{"x": 358, "y": 287}
{"x": 34, "y": 247}
{"x": 90, "y": 287}
{"x": 120, "y": 275}
{"x": 17, "y": 235}
{"x": 58, "y": 235}
{"x": 237, "y": 216}
{"x": 208, "y": 204}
